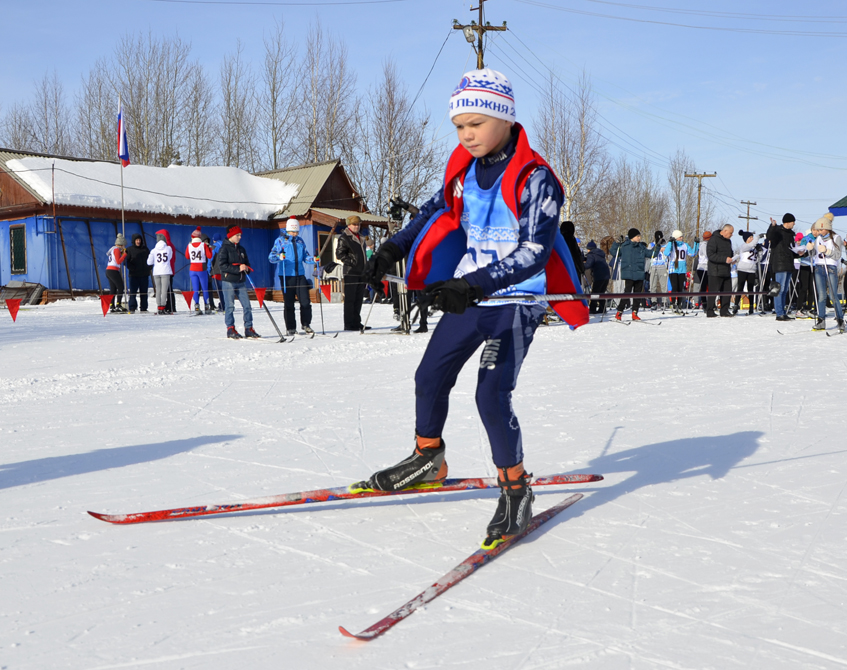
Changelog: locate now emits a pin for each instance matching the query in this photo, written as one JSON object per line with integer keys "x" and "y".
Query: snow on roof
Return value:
{"x": 211, "y": 192}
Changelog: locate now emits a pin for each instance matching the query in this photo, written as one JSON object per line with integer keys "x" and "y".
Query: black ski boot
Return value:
{"x": 840, "y": 323}
{"x": 820, "y": 324}
{"x": 252, "y": 334}
{"x": 233, "y": 334}
{"x": 514, "y": 509}
{"x": 426, "y": 464}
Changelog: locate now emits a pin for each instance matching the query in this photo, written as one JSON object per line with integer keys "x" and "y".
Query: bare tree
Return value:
{"x": 632, "y": 198}
{"x": 200, "y": 122}
{"x": 153, "y": 77}
{"x": 682, "y": 195}
{"x": 278, "y": 99}
{"x": 328, "y": 102}
{"x": 394, "y": 154}
{"x": 49, "y": 117}
{"x": 568, "y": 137}
{"x": 17, "y": 129}
{"x": 96, "y": 114}
{"x": 237, "y": 113}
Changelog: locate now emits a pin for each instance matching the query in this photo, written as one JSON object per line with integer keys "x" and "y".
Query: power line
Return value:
{"x": 725, "y": 138}
{"x": 756, "y": 31}
{"x": 728, "y": 15}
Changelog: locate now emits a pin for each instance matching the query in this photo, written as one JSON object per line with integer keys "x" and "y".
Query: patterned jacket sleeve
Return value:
{"x": 540, "y": 203}
{"x": 406, "y": 237}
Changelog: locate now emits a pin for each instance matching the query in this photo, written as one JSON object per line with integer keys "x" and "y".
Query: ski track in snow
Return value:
{"x": 715, "y": 541}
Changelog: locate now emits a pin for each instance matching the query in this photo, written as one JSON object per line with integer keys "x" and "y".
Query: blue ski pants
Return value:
{"x": 507, "y": 331}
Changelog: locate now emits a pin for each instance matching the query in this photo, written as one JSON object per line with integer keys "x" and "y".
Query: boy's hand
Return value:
{"x": 380, "y": 263}
{"x": 453, "y": 295}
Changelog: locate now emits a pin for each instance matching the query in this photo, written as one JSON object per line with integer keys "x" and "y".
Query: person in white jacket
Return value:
{"x": 826, "y": 249}
{"x": 160, "y": 258}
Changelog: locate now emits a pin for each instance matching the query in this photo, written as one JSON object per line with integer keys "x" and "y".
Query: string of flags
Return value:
{"x": 14, "y": 304}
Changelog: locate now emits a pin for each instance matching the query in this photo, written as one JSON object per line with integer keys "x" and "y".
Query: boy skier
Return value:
{"x": 491, "y": 230}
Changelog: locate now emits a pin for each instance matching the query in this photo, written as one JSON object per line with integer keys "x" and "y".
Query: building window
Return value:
{"x": 17, "y": 244}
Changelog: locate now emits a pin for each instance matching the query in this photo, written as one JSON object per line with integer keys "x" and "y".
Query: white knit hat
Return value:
{"x": 292, "y": 225}
{"x": 823, "y": 223}
{"x": 484, "y": 92}
{"x": 677, "y": 234}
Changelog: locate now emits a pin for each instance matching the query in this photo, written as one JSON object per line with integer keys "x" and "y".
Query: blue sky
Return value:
{"x": 765, "y": 111}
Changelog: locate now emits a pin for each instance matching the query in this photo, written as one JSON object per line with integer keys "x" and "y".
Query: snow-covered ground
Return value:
{"x": 717, "y": 539}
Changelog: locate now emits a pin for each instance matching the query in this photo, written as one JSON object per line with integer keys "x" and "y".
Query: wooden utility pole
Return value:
{"x": 700, "y": 177}
{"x": 748, "y": 217}
{"x": 480, "y": 30}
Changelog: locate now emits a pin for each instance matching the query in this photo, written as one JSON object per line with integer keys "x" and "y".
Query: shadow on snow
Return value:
{"x": 56, "y": 467}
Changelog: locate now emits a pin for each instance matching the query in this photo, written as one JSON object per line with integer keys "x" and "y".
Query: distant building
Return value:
{"x": 60, "y": 215}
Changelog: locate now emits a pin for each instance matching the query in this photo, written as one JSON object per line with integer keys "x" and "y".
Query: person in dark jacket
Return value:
{"x": 596, "y": 262}
{"x": 781, "y": 239}
{"x": 721, "y": 257}
{"x": 632, "y": 253}
{"x": 234, "y": 265}
{"x": 139, "y": 272}
{"x": 351, "y": 252}
{"x": 568, "y": 231}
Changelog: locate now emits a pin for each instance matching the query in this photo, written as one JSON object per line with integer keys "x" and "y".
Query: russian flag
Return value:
{"x": 123, "y": 147}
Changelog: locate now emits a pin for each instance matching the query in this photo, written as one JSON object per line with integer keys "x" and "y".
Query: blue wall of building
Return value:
{"x": 46, "y": 262}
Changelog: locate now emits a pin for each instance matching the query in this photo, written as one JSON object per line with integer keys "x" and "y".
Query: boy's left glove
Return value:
{"x": 453, "y": 295}
{"x": 380, "y": 263}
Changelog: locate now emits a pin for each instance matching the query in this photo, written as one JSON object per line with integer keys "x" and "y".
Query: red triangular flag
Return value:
{"x": 13, "y": 304}
{"x": 188, "y": 295}
{"x": 326, "y": 289}
{"x": 260, "y": 295}
{"x": 106, "y": 302}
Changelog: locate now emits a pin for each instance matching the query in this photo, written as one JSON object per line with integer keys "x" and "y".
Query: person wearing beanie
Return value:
{"x": 568, "y": 230}
{"x": 350, "y": 251}
{"x": 721, "y": 257}
{"x": 215, "y": 270}
{"x": 595, "y": 262}
{"x": 199, "y": 254}
{"x": 658, "y": 278}
{"x": 289, "y": 254}
{"x": 700, "y": 271}
{"x": 210, "y": 299}
{"x": 826, "y": 249}
{"x": 160, "y": 257}
{"x": 139, "y": 273}
{"x": 114, "y": 258}
{"x": 632, "y": 254}
{"x": 492, "y": 229}
{"x": 677, "y": 252}
{"x": 234, "y": 265}
{"x": 783, "y": 252}
{"x": 747, "y": 269}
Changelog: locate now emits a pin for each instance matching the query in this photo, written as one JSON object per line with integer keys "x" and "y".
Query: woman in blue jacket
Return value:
{"x": 289, "y": 254}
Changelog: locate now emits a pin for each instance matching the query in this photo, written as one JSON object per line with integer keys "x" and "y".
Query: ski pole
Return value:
{"x": 320, "y": 297}
{"x": 265, "y": 305}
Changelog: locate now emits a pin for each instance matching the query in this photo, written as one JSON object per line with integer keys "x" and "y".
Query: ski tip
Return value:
{"x": 347, "y": 633}
{"x": 109, "y": 518}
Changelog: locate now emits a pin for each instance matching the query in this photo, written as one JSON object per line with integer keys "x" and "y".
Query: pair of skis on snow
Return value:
{"x": 357, "y": 491}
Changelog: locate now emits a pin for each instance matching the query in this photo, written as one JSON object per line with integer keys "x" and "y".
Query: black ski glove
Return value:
{"x": 453, "y": 295}
{"x": 380, "y": 263}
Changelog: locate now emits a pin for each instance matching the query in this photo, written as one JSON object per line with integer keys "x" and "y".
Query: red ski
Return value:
{"x": 351, "y": 492}
{"x": 473, "y": 562}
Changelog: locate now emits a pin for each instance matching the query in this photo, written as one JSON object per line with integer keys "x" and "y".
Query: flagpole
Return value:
{"x": 123, "y": 221}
